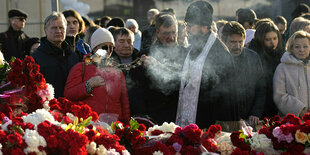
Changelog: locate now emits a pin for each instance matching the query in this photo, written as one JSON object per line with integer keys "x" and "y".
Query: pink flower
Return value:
{"x": 277, "y": 132}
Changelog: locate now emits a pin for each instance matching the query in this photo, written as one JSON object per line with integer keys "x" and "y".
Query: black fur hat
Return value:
{"x": 200, "y": 13}
{"x": 17, "y": 13}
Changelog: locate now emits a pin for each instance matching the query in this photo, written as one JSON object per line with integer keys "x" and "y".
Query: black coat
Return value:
{"x": 164, "y": 81}
{"x": 13, "y": 44}
{"x": 55, "y": 63}
{"x": 136, "y": 82}
{"x": 270, "y": 61}
{"x": 250, "y": 84}
{"x": 216, "y": 99}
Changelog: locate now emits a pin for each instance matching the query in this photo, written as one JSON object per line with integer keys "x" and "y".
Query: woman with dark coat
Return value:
{"x": 267, "y": 42}
{"x": 102, "y": 87}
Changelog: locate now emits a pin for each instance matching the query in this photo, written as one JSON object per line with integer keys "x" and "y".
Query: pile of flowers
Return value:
{"x": 28, "y": 88}
{"x": 172, "y": 139}
{"x": 288, "y": 135}
{"x": 131, "y": 136}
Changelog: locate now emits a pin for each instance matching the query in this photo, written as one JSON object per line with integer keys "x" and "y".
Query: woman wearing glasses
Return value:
{"x": 95, "y": 82}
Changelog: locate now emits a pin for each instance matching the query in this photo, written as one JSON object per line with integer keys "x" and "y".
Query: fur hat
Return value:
{"x": 117, "y": 21}
{"x": 101, "y": 35}
{"x": 17, "y": 13}
{"x": 200, "y": 13}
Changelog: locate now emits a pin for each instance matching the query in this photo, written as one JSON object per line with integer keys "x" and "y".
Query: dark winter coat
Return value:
{"x": 55, "y": 63}
{"x": 163, "y": 88}
{"x": 12, "y": 44}
{"x": 270, "y": 61}
{"x": 136, "y": 85}
{"x": 250, "y": 84}
{"x": 216, "y": 101}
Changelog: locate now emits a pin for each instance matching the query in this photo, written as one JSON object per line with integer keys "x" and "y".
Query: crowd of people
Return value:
{"x": 186, "y": 71}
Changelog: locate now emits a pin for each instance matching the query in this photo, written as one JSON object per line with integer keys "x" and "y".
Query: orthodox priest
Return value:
{"x": 206, "y": 92}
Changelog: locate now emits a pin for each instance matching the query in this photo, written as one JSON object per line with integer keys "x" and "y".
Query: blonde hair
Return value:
{"x": 291, "y": 41}
{"x": 297, "y": 24}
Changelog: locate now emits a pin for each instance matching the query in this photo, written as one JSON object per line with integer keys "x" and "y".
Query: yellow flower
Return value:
{"x": 301, "y": 137}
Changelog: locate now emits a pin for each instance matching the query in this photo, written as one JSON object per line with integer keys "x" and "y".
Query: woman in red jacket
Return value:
{"x": 102, "y": 88}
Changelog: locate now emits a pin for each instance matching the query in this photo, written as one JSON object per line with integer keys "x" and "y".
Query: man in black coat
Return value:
{"x": 250, "y": 84}
{"x": 206, "y": 91}
{"x": 12, "y": 42}
{"x": 163, "y": 65}
{"x": 127, "y": 58}
{"x": 54, "y": 55}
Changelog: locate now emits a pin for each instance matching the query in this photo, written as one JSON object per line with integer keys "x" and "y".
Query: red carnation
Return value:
{"x": 142, "y": 127}
{"x": 52, "y": 141}
{"x": 91, "y": 135}
{"x": 306, "y": 117}
{"x": 156, "y": 132}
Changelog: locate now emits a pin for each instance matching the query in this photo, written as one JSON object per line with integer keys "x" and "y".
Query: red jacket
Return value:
{"x": 110, "y": 98}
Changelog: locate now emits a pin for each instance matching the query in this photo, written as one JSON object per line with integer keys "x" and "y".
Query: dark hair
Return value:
{"x": 231, "y": 28}
{"x": 246, "y": 15}
{"x": 88, "y": 22}
{"x": 122, "y": 31}
{"x": 280, "y": 20}
{"x": 168, "y": 11}
{"x": 263, "y": 29}
{"x": 97, "y": 21}
{"x": 260, "y": 21}
{"x": 300, "y": 9}
{"x": 306, "y": 15}
{"x": 103, "y": 20}
{"x": 165, "y": 20}
{"x": 117, "y": 21}
{"x": 73, "y": 13}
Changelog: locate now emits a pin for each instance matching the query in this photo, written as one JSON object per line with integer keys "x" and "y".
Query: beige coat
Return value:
{"x": 291, "y": 84}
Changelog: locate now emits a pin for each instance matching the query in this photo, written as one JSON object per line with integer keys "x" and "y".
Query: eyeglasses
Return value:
{"x": 107, "y": 48}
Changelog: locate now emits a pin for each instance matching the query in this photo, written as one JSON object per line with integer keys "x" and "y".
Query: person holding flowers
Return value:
{"x": 291, "y": 79}
{"x": 98, "y": 84}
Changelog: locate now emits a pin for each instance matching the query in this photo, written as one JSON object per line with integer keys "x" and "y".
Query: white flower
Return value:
{"x": 39, "y": 116}
{"x": 51, "y": 91}
{"x": 223, "y": 137}
{"x": 158, "y": 153}
{"x": 101, "y": 150}
{"x": 1, "y": 149}
{"x": 225, "y": 148}
{"x": 125, "y": 152}
{"x": 4, "y": 127}
{"x": 165, "y": 127}
{"x": 33, "y": 141}
{"x": 260, "y": 141}
{"x": 112, "y": 152}
{"x": 91, "y": 148}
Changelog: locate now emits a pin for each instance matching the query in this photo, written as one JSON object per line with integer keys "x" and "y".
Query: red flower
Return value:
{"x": 15, "y": 139}
{"x": 238, "y": 151}
{"x": 18, "y": 151}
{"x": 91, "y": 135}
{"x": 156, "y": 132}
{"x": 142, "y": 127}
{"x": 213, "y": 130}
{"x": 52, "y": 141}
{"x": 306, "y": 117}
